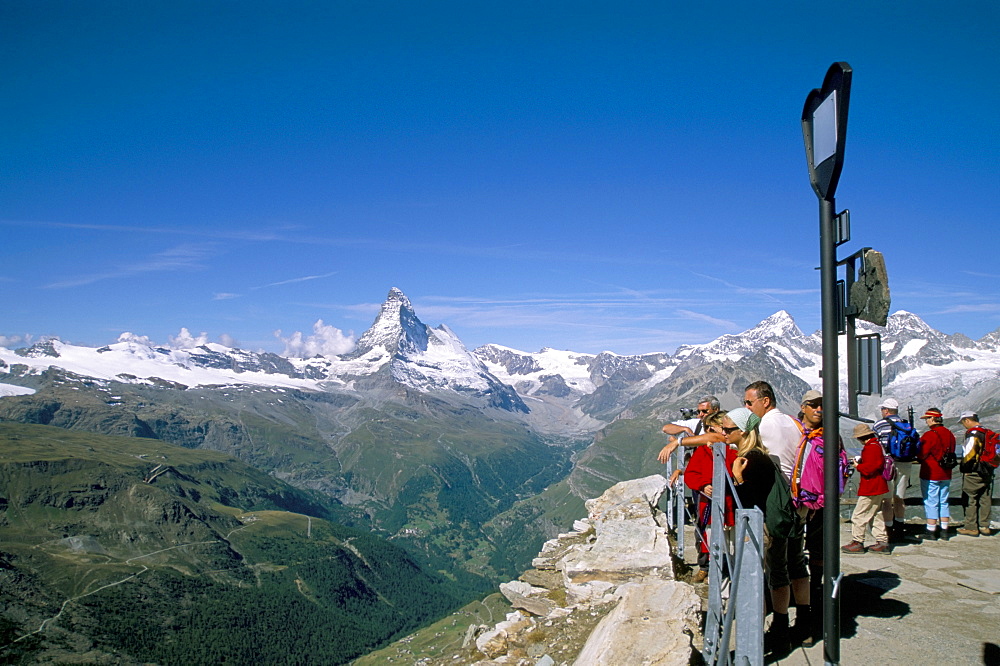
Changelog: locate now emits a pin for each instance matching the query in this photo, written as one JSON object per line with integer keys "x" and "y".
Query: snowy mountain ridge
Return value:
{"x": 398, "y": 349}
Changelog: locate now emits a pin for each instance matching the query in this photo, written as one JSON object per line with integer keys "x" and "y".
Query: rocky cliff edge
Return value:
{"x": 603, "y": 594}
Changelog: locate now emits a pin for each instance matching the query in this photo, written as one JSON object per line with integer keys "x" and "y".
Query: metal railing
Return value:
{"x": 739, "y": 598}
{"x": 744, "y": 603}
{"x": 676, "y": 502}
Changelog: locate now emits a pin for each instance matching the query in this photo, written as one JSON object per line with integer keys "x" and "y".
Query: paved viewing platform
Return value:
{"x": 928, "y": 602}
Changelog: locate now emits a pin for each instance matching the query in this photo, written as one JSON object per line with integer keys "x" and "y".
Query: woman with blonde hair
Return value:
{"x": 760, "y": 483}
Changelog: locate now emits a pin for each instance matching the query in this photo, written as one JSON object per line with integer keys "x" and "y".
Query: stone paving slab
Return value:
{"x": 984, "y": 580}
{"x": 931, "y": 602}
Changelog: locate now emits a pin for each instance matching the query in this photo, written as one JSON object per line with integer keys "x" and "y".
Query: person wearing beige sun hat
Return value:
{"x": 872, "y": 490}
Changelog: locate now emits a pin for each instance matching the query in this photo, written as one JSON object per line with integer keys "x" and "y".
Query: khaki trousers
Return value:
{"x": 868, "y": 513}
{"x": 977, "y": 490}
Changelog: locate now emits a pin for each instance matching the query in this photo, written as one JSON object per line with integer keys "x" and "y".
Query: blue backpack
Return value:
{"x": 904, "y": 441}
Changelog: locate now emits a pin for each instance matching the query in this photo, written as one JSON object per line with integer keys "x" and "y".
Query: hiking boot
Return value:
{"x": 895, "y": 533}
{"x": 880, "y": 547}
{"x": 854, "y": 547}
{"x": 930, "y": 535}
{"x": 802, "y": 630}
{"x": 985, "y": 531}
{"x": 943, "y": 531}
{"x": 700, "y": 576}
{"x": 777, "y": 639}
{"x": 962, "y": 530}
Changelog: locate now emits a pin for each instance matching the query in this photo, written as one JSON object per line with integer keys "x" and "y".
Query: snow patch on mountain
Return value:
{"x": 11, "y": 389}
{"x": 536, "y": 373}
{"x": 131, "y": 361}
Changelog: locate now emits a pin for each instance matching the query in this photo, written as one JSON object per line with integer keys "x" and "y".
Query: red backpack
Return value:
{"x": 986, "y": 460}
{"x": 989, "y": 455}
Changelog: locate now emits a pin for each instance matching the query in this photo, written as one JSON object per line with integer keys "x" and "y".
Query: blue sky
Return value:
{"x": 578, "y": 175}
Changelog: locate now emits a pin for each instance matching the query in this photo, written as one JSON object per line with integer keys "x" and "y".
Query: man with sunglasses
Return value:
{"x": 808, "y": 621}
{"x": 690, "y": 432}
{"x": 778, "y": 431}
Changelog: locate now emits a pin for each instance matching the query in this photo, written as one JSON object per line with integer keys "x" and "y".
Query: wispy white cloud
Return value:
{"x": 263, "y": 235}
{"x": 183, "y": 257}
{"x": 769, "y": 293}
{"x": 224, "y": 296}
{"x": 970, "y": 307}
{"x": 724, "y": 324}
{"x": 296, "y": 280}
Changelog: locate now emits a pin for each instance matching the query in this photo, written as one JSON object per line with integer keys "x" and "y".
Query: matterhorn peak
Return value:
{"x": 396, "y": 328}
{"x": 396, "y": 295}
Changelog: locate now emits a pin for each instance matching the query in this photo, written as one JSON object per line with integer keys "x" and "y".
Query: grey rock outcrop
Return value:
{"x": 603, "y": 594}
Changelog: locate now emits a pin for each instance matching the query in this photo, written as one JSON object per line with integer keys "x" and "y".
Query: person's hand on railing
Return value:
{"x": 673, "y": 478}
{"x": 707, "y": 490}
{"x": 667, "y": 450}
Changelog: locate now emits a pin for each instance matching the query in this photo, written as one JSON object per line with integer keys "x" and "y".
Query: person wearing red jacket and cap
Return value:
{"x": 872, "y": 490}
{"x": 935, "y": 480}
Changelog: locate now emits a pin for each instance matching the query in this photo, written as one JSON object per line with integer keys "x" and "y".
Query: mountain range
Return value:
{"x": 465, "y": 459}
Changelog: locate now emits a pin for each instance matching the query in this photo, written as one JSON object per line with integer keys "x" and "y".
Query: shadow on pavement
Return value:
{"x": 862, "y": 595}
{"x": 991, "y": 654}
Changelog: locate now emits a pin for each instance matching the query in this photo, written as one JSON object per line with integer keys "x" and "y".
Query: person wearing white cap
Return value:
{"x": 894, "y": 505}
{"x": 977, "y": 482}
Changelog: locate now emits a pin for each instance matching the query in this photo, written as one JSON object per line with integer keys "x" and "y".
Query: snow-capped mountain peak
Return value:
{"x": 778, "y": 327}
{"x": 395, "y": 329}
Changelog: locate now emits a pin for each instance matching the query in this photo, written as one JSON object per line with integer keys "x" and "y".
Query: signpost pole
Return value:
{"x": 824, "y": 130}
{"x": 831, "y": 432}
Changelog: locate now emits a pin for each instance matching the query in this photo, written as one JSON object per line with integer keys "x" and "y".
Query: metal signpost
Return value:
{"x": 824, "y": 129}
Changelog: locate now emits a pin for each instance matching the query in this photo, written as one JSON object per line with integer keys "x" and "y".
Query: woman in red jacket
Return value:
{"x": 698, "y": 477}
{"x": 935, "y": 480}
{"x": 872, "y": 489}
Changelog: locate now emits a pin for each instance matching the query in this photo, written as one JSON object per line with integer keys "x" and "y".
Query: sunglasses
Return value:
{"x": 815, "y": 404}
{"x": 703, "y": 411}
{"x": 729, "y": 431}
{"x": 750, "y": 402}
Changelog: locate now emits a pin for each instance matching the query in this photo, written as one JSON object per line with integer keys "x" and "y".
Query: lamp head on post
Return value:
{"x": 824, "y": 129}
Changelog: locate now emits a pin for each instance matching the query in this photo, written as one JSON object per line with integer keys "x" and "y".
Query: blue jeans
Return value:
{"x": 935, "y": 498}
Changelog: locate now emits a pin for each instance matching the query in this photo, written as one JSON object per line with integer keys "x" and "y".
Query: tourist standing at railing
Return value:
{"x": 779, "y": 431}
{"x": 698, "y": 477}
{"x": 872, "y": 490}
{"x": 780, "y": 434}
{"x": 894, "y": 506}
{"x": 690, "y": 432}
{"x": 811, "y": 416}
{"x": 977, "y": 475}
{"x": 935, "y": 478}
{"x": 756, "y": 474}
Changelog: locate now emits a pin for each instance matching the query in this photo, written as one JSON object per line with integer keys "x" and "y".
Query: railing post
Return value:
{"x": 750, "y": 600}
{"x": 716, "y": 553}
{"x": 678, "y": 498}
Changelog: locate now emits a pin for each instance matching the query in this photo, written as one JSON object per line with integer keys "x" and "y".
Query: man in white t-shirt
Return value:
{"x": 778, "y": 431}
